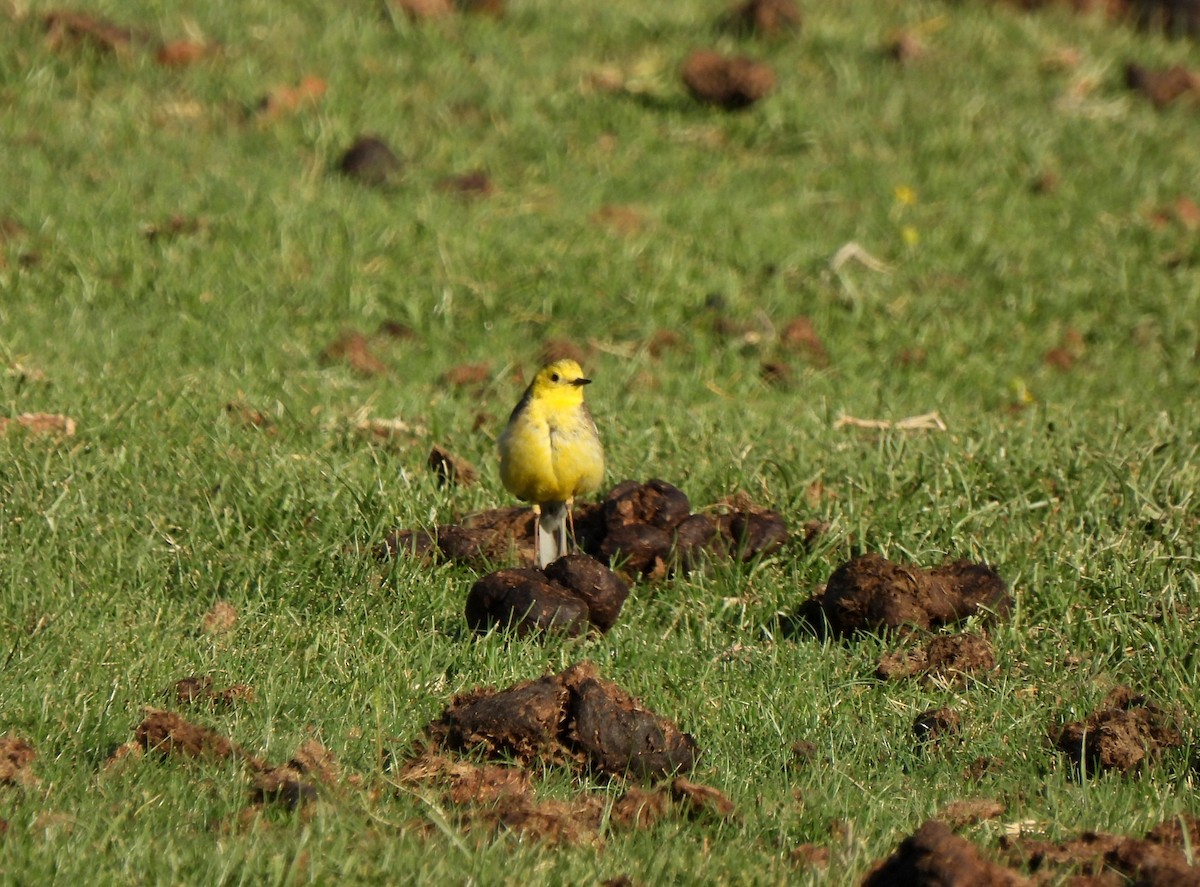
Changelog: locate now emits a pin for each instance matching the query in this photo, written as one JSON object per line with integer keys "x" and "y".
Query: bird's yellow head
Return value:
{"x": 559, "y": 384}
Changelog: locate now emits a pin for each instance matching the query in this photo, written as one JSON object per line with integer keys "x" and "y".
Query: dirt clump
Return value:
{"x": 1162, "y": 86}
{"x": 770, "y": 19}
{"x": 573, "y": 716}
{"x": 949, "y": 657}
{"x": 16, "y": 756}
{"x": 354, "y": 349}
{"x": 647, "y": 530}
{"x": 731, "y": 83}
{"x": 1124, "y": 734}
{"x": 525, "y": 600}
{"x": 602, "y": 590}
{"x": 69, "y": 27}
{"x": 569, "y": 595}
{"x": 201, "y": 690}
{"x": 1175, "y": 18}
{"x": 220, "y": 619}
{"x": 451, "y": 470}
{"x": 1160, "y": 859}
{"x": 295, "y": 783}
{"x": 935, "y": 855}
{"x": 935, "y": 724}
{"x": 574, "y": 719}
{"x": 371, "y": 161}
{"x": 48, "y": 424}
{"x": 170, "y": 734}
{"x": 872, "y": 594}
{"x": 970, "y": 811}
{"x": 476, "y": 183}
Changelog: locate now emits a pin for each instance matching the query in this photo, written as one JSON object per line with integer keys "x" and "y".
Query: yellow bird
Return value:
{"x": 550, "y": 452}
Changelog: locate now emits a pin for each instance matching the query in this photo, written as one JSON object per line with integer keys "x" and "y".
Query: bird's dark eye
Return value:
{"x": 554, "y": 377}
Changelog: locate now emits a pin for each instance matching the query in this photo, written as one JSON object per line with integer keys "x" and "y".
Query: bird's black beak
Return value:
{"x": 579, "y": 383}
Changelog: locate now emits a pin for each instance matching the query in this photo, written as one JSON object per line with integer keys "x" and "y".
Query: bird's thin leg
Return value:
{"x": 571, "y": 523}
{"x": 537, "y": 523}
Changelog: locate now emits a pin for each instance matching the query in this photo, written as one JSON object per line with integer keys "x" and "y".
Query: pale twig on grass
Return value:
{"x": 931, "y": 421}
{"x": 851, "y": 251}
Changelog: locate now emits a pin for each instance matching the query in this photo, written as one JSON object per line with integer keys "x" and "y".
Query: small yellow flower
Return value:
{"x": 910, "y": 235}
{"x": 905, "y": 195}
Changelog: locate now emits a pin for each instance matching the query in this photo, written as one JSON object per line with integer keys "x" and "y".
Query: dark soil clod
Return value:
{"x": 617, "y": 734}
{"x": 1161, "y": 859}
{"x": 936, "y": 855}
{"x": 451, "y": 469}
{"x": 646, "y": 529}
{"x": 525, "y": 600}
{"x": 574, "y": 716}
{"x": 1124, "y": 735}
{"x": 655, "y": 502}
{"x": 873, "y": 594}
{"x": 598, "y": 587}
{"x": 370, "y": 161}
{"x": 935, "y": 724}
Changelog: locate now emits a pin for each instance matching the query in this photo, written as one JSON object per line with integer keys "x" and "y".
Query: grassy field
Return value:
{"x": 169, "y": 248}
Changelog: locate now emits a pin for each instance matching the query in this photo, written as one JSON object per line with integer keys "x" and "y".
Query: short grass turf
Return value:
{"x": 620, "y": 209}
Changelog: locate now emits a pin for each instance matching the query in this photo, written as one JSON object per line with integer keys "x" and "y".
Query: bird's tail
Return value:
{"x": 552, "y": 533}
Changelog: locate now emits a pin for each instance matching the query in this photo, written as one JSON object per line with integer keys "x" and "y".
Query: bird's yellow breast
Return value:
{"x": 550, "y": 451}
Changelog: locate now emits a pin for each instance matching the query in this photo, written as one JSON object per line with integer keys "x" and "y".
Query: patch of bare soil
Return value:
{"x": 1125, "y": 734}
{"x": 16, "y": 756}
{"x": 935, "y": 855}
{"x": 950, "y": 657}
{"x": 729, "y": 82}
{"x": 872, "y": 594}
{"x": 573, "y": 718}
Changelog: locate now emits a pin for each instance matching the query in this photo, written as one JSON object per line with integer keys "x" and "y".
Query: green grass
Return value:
{"x": 1078, "y": 486}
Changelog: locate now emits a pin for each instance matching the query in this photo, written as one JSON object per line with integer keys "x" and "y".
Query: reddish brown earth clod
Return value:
{"x": 16, "y": 755}
{"x": 729, "y": 83}
{"x": 770, "y": 19}
{"x": 1124, "y": 735}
